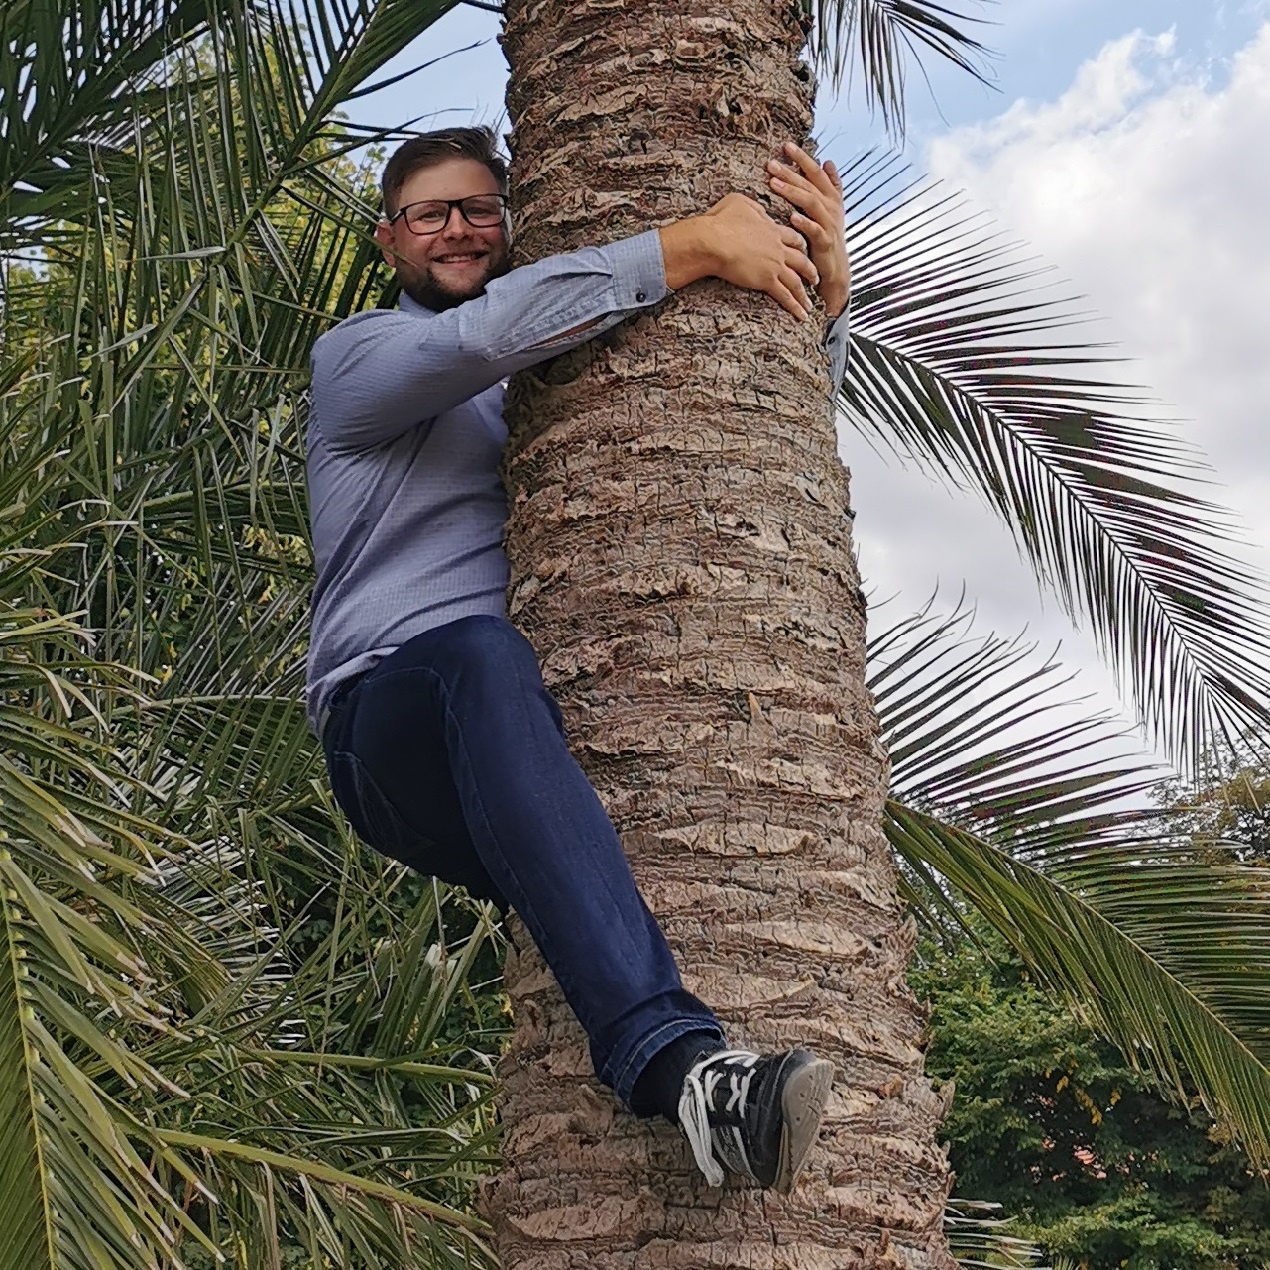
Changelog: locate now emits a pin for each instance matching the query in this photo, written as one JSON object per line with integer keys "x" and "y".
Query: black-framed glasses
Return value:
{"x": 483, "y": 211}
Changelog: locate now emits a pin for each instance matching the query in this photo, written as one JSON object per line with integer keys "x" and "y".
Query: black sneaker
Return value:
{"x": 757, "y": 1116}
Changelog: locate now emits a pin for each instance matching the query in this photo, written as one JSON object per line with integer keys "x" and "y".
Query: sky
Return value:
{"x": 1125, "y": 142}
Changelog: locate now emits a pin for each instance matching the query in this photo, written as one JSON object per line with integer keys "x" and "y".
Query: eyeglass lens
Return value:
{"x": 479, "y": 210}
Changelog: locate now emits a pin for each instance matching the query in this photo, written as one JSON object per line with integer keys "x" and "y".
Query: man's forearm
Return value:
{"x": 697, "y": 248}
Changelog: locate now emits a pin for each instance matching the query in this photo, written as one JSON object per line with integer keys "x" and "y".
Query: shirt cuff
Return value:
{"x": 836, "y": 342}
{"x": 639, "y": 271}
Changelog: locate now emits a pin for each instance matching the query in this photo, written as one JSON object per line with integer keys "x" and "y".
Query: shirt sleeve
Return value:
{"x": 380, "y": 373}
{"x": 837, "y": 341}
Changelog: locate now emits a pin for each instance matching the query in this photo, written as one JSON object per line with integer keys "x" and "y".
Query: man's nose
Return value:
{"x": 454, "y": 223}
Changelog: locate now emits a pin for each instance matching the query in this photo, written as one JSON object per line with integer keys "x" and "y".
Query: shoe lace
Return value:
{"x": 697, "y": 1099}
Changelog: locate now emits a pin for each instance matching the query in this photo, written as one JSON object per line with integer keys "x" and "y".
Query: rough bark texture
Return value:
{"x": 682, "y": 561}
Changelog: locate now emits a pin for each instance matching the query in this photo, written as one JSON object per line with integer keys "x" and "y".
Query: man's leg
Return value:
{"x": 425, "y": 830}
{"x": 465, "y": 704}
{"x": 452, "y": 749}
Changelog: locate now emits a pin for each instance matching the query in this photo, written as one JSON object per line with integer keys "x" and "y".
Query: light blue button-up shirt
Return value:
{"x": 405, "y": 436}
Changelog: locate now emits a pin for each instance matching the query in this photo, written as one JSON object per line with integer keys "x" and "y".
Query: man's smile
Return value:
{"x": 460, "y": 258}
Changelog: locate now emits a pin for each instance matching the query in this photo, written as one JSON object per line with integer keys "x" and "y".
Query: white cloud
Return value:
{"x": 1149, "y": 189}
{"x": 1146, "y": 183}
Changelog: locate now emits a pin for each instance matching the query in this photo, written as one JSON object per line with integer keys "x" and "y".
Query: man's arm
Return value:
{"x": 738, "y": 242}
{"x": 380, "y": 373}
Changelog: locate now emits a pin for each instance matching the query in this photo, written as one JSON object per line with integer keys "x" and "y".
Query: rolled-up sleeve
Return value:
{"x": 380, "y": 373}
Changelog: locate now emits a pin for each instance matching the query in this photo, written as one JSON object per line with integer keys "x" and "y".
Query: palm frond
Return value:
{"x": 980, "y": 1235}
{"x": 885, "y": 34}
{"x": 1158, "y": 991}
{"x": 70, "y": 980}
{"x": 1041, "y": 827}
{"x": 161, "y": 999}
{"x": 74, "y": 75}
{"x": 958, "y": 366}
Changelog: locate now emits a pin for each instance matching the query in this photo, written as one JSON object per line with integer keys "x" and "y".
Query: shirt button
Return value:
{"x": 640, "y": 297}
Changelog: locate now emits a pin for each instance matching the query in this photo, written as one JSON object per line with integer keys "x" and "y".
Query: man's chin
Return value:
{"x": 428, "y": 291}
{"x": 438, "y": 298}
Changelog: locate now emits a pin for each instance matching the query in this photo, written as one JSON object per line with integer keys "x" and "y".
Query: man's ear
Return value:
{"x": 384, "y": 237}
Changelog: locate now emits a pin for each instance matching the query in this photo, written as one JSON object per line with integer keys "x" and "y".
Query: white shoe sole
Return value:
{"x": 802, "y": 1108}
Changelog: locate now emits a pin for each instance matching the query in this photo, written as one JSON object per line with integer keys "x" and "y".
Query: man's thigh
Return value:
{"x": 390, "y": 771}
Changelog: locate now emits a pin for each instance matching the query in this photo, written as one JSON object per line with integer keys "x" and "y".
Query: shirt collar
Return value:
{"x": 408, "y": 305}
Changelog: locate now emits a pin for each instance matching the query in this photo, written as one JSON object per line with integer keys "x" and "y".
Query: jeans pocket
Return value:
{"x": 373, "y": 817}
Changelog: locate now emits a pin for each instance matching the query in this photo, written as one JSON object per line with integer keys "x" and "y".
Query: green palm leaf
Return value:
{"x": 76, "y": 1181}
{"x": 75, "y": 74}
{"x": 957, "y": 365}
{"x": 1000, "y": 803}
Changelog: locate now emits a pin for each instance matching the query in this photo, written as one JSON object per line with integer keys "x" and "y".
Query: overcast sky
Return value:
{"x": 1125, "y": 140}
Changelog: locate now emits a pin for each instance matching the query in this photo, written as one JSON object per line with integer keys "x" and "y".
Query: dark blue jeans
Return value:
{"x": 450, "y": 757}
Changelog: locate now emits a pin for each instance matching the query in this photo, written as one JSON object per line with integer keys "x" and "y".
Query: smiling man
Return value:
{"x": 443, "y": 746}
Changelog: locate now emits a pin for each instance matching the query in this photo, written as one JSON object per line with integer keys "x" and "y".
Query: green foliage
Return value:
{"x": 228, "y": 1033}
{"x": 1231, "y": 808}
{"x": 1053, "y": 1124}
{"x": 1007, "y": 802}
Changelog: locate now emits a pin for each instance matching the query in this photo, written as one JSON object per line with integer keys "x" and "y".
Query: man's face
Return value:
{"x": 443, "y": 269}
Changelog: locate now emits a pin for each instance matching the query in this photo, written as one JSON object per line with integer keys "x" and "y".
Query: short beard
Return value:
{"x": 422, "y": 288}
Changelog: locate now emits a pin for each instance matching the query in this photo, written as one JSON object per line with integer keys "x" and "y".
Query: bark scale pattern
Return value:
{"x": 681, "y": 560}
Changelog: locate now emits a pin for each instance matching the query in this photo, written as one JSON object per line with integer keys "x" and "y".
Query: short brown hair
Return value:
{"x": 431, "y": 148}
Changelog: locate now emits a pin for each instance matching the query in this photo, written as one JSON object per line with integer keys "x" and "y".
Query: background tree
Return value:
{"x": 1230, "y": 807}
{"x": 1073, "y": 1142}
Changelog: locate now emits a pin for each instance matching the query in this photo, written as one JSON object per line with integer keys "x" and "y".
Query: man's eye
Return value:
{"x": 427, "y": 215}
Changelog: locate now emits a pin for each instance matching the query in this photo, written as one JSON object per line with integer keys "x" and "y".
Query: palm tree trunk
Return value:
{"x": 682, "y": 561}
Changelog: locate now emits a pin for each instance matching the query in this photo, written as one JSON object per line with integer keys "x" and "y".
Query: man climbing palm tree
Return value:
{"x": 444, "y": 747}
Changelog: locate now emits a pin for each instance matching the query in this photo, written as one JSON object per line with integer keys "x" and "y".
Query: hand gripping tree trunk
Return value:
{"x": 682, "y": 561}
